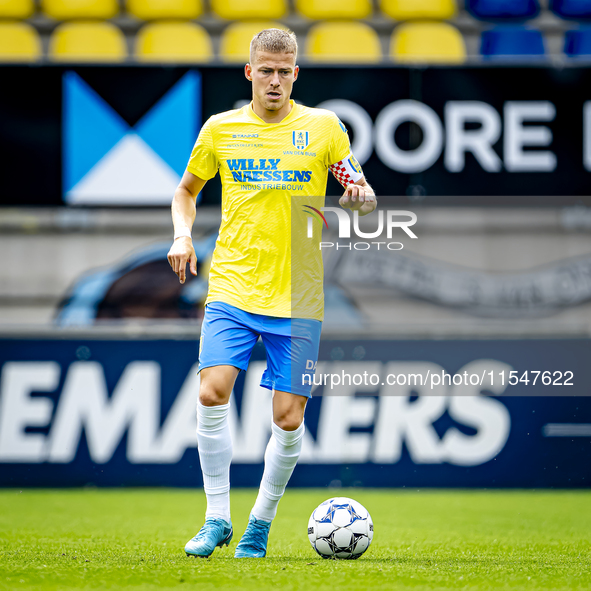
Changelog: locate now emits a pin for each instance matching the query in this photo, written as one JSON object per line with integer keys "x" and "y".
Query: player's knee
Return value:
{"x": 212, "y": 395}
{"x": 289, "y": 421}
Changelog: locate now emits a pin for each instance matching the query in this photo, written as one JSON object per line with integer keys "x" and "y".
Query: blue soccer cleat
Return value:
{"x": 215, "y": 533}
{"x": 253, "y": 543}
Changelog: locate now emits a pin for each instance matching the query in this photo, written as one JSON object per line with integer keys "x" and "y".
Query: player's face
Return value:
{"x": 272, "y": 76}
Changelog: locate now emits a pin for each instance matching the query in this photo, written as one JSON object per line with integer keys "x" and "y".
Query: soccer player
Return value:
{"x": 267, "y": 152}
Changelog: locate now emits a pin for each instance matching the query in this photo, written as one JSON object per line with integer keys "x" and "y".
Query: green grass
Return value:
{"x": 115, "y": 538}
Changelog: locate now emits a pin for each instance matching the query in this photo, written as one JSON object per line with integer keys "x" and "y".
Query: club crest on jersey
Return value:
{"x": 354, "y": 164}
{"x": 300, "y": 139}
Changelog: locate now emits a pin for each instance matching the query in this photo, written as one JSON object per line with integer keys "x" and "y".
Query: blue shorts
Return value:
{"x": 229, "y": 334}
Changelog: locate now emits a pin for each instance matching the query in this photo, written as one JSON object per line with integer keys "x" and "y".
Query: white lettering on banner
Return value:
{"x": 517, "y": 136}
{"x": 400, "y": 414}
{"x": 413, "y": 420}
{"x": 179, "y": 430}
{"x": 18, "y": 410}
{"x": 388, "y": 121}
{"x": 459, "y": 140}
{"x": 400, "y": 420}
{"x": 339, "y": 413}
{"x": 587, "y": 135}
{"x": 85, "y": 405}
{"x": 488, "y": 416}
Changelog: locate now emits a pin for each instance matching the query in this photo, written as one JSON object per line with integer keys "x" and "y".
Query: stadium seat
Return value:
{"x": 512, "y": 42}
{"x": 88, "y": 42}
{"x": 414, "y": 9}
{"x": 577, "y": 43}
{"x": 19, "y": 42}
{"x": 245, "y": 9}
{"x": 503, "y": 9}
{"x": 161, "y": 9}
{"x": 80, "y": 9}
{"x": 16, "y": 9}
{"x": 327, "y": 9}
{"x": 236, "y": 38}
{"x": 343, "y": 42}
{"x": 173, "y": 42}
{"x": 428, "y": 42}
{"x": 572, "y": 9}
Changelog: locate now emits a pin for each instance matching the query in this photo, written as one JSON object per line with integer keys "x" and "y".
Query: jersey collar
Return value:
{"x": 290, "y": 115}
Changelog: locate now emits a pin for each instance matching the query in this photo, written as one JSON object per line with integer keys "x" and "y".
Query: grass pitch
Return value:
{"x": 66, "y": 539}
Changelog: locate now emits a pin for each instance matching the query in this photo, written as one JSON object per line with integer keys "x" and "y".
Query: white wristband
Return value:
{"x": 181, "y": 232}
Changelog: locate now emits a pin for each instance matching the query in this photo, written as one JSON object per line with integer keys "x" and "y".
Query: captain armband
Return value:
{"x": 347, "y": 171}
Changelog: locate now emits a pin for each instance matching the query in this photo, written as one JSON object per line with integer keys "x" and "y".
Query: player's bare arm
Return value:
{"x": 183, "y": 215}
{"x": 359, "y": 196}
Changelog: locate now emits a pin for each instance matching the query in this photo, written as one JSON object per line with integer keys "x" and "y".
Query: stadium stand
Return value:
{"x": 431, "y": 42}
{"x": 230, "y": 24}
{"x": 512, "y": 41}
{"x": 418, "y": 9}
{"x": 16, "y": 9}
{"x": 173, "y": 42}
{"x": 577, "y": 43}
{"x": 347, "y": 42}
{"x": 165, "y": 9}
{"x": 331, "y": 9}
{"x": 236, "y": 38}
{"x": 571, "y": 9}
{"x": 245, "y": 9}
{"x": 503, "y": 9}
{"x": 19, "y": 42}
{"x": 80, "y": 9}
{"x": 88, "y": 42}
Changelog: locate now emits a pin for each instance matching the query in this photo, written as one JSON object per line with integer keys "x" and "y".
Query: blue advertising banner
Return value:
{"x": 404, "y": 413}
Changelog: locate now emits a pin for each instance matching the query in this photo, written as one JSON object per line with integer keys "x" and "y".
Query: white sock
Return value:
{"x": 215, "y": 454}
{"x": 281, "y": 457}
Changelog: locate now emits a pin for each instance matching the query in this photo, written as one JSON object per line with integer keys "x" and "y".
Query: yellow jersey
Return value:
{"x": 264, "y": 262}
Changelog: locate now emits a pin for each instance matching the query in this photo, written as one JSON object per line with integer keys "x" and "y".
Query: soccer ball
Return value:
{"x": 340, "y": 528}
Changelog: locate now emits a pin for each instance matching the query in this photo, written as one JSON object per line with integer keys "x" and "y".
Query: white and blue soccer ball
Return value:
{"x": 340, "y": 528}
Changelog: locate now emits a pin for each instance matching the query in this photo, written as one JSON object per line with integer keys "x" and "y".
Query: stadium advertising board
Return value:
{"x": 445, "y": 413}
{"x": 464, "y": 135}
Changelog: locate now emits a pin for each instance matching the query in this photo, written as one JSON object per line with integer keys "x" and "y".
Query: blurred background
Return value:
{"x": 474, "y": 115}
{"x": 347, "y": 31}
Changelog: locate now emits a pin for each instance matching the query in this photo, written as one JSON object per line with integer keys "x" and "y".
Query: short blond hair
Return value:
{"x": 274, "y": 41}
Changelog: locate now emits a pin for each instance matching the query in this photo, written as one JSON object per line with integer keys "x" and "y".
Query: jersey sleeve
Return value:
{"x": 341, "y": 161}
{"x": 203, "y": 161}
{"x": 339, "y": 147}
